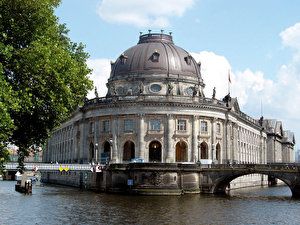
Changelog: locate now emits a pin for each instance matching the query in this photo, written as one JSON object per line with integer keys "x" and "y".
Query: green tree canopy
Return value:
{"x": 45, "y": 70}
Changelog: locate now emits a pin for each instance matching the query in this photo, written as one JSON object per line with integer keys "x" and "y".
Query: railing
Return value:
{"x": 166, "y": 98}
{"x": 260, "y": 167}
{"x": 47, "y": 166}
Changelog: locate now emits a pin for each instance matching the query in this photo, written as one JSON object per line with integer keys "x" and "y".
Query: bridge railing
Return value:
{"x": 268, "y": 166}
{"x": 47, "y": 166}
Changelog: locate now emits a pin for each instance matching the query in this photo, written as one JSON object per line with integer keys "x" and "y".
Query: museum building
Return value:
{"x": 155, "y": 110}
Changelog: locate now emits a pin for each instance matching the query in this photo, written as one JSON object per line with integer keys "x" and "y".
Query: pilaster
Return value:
{"x": 195, "y": 132}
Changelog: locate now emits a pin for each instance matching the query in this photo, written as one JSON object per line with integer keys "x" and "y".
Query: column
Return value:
{"x": 170, "y": 131}
{"x": 141, "y": 136}
{"x": 114, "y": 127}
{"x": 213, "y": 139}
{"x": 195, "y": 132}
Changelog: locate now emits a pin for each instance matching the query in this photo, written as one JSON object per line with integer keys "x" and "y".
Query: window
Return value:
{"x": 181, "y": 125}
{"x": 128, "y": 126}
{"x": 155, "y": 56}
{"x": 106, "y": 126}
{"x": 203, "y": 126}
{"x": 155, "y": 88}
{"x": 123, "y": 59}
{"x": 188, "y": 59}
{"x": 218, "y": 128}
{"x": 91, "y": 127}
{"x": 155, "y": 125}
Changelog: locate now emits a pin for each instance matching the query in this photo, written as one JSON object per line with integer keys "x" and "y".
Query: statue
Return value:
{"x": 214, "y": 93}
{"x": 195, "y": 90}
{"x": 96, "y": 93}
{"x": 112, "y": 90}
{"x": 141, "y": 88}
{"x": 170, "y": 89}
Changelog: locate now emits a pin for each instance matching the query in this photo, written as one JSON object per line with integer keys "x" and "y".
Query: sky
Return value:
{"x": 257, "y": 41}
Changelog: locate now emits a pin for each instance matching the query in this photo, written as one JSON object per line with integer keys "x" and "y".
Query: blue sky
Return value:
{"x": 259, "y": 41}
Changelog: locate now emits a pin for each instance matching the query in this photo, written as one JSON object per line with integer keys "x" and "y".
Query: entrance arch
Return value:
{"x": 106, "y": 150}
{"x": 181, "y": 152}
{"x": 218, "y": 152}
{"x": 204, "y": 150}
{"x": 91, "y": 152}
{"x": 155, "y": 151}
{"x": 128, "y": 151}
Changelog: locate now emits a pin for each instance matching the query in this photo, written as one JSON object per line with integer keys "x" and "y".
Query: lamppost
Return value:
{"x": 96, "y": 152}
{"x": 111, "y": 149}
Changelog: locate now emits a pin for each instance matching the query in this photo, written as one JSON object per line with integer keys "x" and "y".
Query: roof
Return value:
{"x": 156, "y": 54}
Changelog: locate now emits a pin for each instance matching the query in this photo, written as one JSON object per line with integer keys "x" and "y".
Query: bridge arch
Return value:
{"x": 221, "y": 183}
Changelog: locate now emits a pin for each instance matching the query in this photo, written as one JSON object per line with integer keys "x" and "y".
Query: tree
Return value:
{"x": 46, "y": 71}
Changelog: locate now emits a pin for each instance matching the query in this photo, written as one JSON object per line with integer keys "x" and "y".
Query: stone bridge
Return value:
{"x": 163, "y": 178}
{"x": 216, "y": 178}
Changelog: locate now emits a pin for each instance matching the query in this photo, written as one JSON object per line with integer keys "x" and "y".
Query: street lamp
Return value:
{"x": 111, "y": 148}
{"x": 96, "y": 152}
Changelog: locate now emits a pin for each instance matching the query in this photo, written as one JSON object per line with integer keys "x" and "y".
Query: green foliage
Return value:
{"x": 44, "y": 69}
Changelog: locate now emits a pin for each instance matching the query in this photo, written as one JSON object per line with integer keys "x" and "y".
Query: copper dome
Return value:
{"x": 156, "y": 54}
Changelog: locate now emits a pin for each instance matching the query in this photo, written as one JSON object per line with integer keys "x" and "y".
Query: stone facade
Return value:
{"x": 280, "y": 143}
{"x": 155, "y": 111}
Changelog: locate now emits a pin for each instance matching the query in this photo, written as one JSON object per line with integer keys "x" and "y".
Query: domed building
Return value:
{"x": 155, "y": 111}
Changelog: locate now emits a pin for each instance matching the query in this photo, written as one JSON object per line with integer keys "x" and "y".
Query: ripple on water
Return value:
{"x": 64, "y": 205}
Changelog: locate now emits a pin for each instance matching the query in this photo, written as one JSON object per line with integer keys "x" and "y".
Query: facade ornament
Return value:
{"x": 195, "y": 90}
{"x": 129, "y": 92}
{"x": 141, "y": 88}
{"x": 96, "y": 93}
{"x": 214, "y": 93}
{"x": 170, "y": 89}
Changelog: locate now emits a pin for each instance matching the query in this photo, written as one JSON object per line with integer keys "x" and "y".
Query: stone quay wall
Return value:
{"x": 141, "y": 178}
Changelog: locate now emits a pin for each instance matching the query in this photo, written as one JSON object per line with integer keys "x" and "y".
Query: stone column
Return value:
{"x": 195, "y": 132}
{"x": 213, "y": 139}
{"x": 141, "y": 136}
{"x": 228, "y": 137}
{"x": 114, "y": 129}
{"x": 170, "y": 132}
{"x": 234, "y": 139}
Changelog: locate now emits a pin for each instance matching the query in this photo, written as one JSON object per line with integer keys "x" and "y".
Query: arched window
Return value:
{"x": 155, "y": 151}
{"x": 181, "y": 152}
{"x": 204, "y": 150}
{"x": 128, "y": 151}
{"x": 218, "y": 152}
{"x": 91, "y": 152}
{"x": 105, "y": 156}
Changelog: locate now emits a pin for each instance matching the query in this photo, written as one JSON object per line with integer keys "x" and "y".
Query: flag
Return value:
{"x": 229, "y": 76}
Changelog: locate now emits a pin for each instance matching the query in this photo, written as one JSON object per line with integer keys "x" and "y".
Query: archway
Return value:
{"x": 155, "y": 151}
{"x": 204, "y": 150}
{"x": 91, "y": 152}
{"x": 223, "y": 182}
{"x": 128, "y": 151}
{"x": 218, "y": 152}
{"x": 106, "y": 151}
{"x": 181, "y": 151}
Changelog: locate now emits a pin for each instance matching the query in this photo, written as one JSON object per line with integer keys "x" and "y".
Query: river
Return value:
{"x": 64, "y": 205}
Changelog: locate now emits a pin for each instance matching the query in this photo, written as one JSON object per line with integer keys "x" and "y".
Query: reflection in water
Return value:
{"x": 63, "y": 205}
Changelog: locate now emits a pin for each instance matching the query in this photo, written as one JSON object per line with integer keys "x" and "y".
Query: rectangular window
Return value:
{"x": 218, "y": 128}
{"x": 181, "y": 125}
{"x": 106, "y": 126}
{"x": 203, "y": 126}
{"x": 128, "y": 126}
{"x": 91, "y": 127}
{"x": 154, "y": 125}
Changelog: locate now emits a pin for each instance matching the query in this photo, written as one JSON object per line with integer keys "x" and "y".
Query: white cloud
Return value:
{"x": 143, "y": 13}
{"x": 214, "y": 70}
{"x": 291, "y": 36}
{"x": 99, "y": 75}
{"x": 280, "y": 96}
